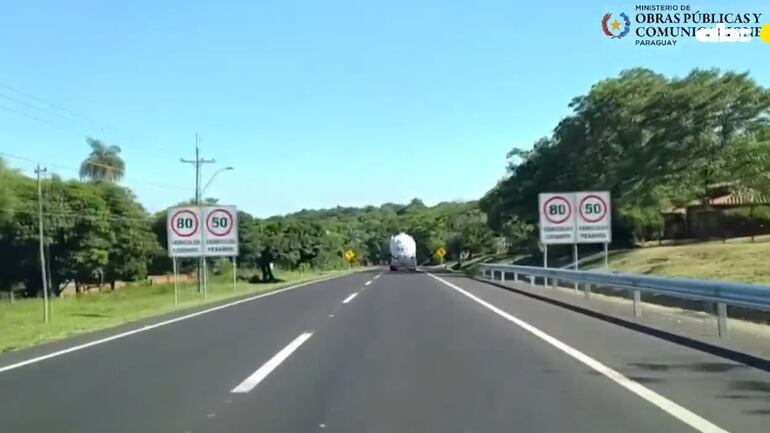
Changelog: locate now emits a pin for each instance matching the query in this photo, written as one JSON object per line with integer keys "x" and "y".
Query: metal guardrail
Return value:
{"x": 721, "y": 293}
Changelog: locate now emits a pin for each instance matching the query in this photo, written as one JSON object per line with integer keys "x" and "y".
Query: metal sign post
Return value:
{"x": 575, "y": 260}
{"x": 606, "y": 256}
{"x": 545, "y": 262}
{"x": 204, "y": 265}
{"x": 235, "y": 271}
{"x": 176, "y": 282}
{"x": 205, "y": 279}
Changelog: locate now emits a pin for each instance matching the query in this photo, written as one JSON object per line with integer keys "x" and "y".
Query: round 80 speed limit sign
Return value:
{"x": 220, "y": 222}
{"x": 184, "y": 223}
{"x": 557, "y": 209}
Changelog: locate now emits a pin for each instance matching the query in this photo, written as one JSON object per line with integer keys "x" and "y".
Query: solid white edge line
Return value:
{"x": 674, "y": 409}
{"x": 349, "y": 298}
{"x": 253, "y": 380}
{"x": 156, "y": 325}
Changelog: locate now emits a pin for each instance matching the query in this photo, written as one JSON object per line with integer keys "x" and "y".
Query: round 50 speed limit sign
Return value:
{"x": 220, "y": 222}
{"x": 592, "y": 208}
{"x": 594, "y": 217}
{"x": 184, "y": 223}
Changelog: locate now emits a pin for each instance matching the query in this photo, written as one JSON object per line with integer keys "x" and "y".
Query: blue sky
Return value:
{"x": 315, "y": 103}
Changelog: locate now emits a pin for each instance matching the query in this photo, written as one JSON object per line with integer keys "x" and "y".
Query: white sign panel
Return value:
{"x": 557, "y": 218}
{"x": 221, "y": 231}
{"x": 183, "y": 230}
{"x": 594, "y": 216}
{"x": 208, "y": 230}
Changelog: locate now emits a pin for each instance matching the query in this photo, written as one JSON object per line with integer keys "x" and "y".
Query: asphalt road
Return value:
{"x": 407, "y": 353}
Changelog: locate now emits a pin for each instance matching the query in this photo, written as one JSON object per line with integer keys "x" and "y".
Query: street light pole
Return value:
{"x": 197, "y": 163}
{"x": 203, "y": 190}
{"x": 205, "y": 263}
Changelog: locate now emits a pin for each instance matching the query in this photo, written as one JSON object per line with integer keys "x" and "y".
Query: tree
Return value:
{"x": 103, "y": 163}
{"x": 132, "y": 243}
{"x": 516, "y": 233}
{"x": 9, "y": 180}
{"x": 650, "y": 141}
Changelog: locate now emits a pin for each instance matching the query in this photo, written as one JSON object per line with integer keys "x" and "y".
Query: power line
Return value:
{"x": 35, "y": 107}
{"x": 41, "y": 106}
{"x": 52, "y": 107}
{"x": 28, "y": 116}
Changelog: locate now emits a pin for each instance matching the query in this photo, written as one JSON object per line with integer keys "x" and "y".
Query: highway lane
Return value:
{"x": 411, "y": 355}
{"x": 734, "y": 396}
{"x": 165, "y": 379}
{"x": 398, "y": 352}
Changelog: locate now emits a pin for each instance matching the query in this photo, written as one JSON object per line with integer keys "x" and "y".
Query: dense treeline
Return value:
{"x": 650, "y": 140}
{"x": 93, "y": 232}
{"x": 318, "y": 238}
{"x": 97, "y": 233}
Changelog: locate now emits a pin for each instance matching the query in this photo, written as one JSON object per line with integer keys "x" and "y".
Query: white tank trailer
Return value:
{"x": 403, "y": 252}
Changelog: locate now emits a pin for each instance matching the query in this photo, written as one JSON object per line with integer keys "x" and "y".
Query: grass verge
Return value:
{"x": 22, "y": 325}
{"x": 736, "y": 260}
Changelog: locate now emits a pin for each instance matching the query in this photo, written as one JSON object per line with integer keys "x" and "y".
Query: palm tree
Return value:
{"x": 103, "y": 163}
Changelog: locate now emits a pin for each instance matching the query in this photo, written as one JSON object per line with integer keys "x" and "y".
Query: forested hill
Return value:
{"x": 317, "y": 238}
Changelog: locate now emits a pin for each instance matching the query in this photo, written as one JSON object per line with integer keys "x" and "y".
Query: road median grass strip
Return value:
{"x": 22, "y": 326}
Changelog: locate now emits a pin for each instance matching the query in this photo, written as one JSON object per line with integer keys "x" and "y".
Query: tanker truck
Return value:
{"x": 403, "y": 252}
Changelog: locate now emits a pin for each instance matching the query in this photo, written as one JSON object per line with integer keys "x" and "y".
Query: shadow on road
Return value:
{"x": 706, "y": 367}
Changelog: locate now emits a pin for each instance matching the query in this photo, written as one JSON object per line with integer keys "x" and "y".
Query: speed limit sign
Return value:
{"x": 184, "y": 223}
{"x": 220, "y": 222}
{"x": 202, "y": 231}
{"x": 221, "y": 231}
{"x": 184, "y": 229}
{"x": 557, "y": 218}
{"x": 593, "y": 217}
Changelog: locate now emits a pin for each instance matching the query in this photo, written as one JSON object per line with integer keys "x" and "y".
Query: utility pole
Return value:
{"x": 44, "y": 278}
{"x": 197, "y": 163}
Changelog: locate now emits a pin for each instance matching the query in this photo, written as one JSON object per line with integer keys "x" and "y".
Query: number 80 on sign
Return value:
{"x": 184, "y": 223}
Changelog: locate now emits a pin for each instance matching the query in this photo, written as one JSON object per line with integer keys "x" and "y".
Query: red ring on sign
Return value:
{"x": 566, "y": 202}
{"x": 195, "y": 218}
{"x": 229, "y": 226}
{"x": 604, "y": 208}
